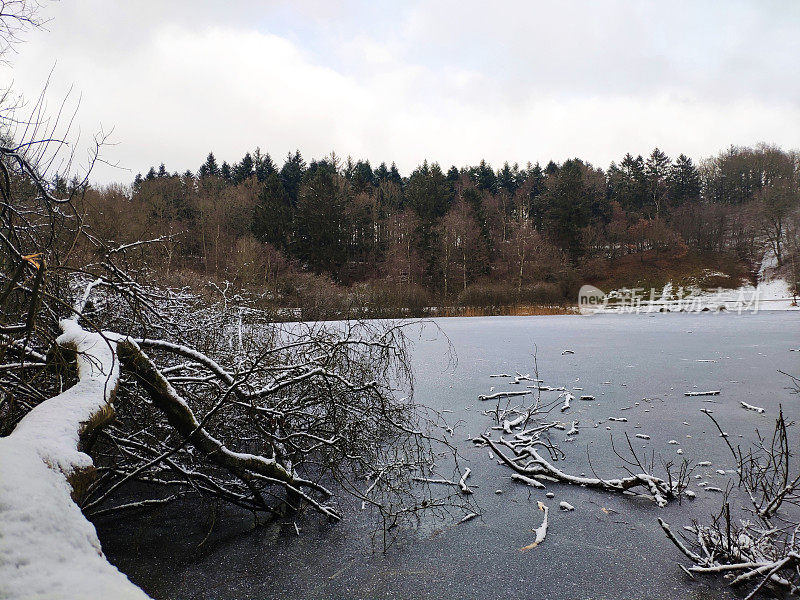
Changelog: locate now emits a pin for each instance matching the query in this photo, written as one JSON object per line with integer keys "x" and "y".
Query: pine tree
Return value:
{"x": 657, "y": 169}
{"x": 243, "y": 170}
{"x": 362, "y": 178}
{"x": 272, "y": 216}
{"x": 628, "y": 183}
{"x": 484, "y": 177}
{"x": 209, "y": 168}
{"x": 349, "y": 168}
{"x": 382, "y": 172}
{"x": 535, "y": 184}
{"x": 429, "y": 192}
{"x": 551, "y": 169}
{"x": 226, "y": 172}
{"x": 292, "y": 174}
{"x": 684, "y": 182}
{"x": 263, "y": 165}
{"x": 394, "y": 175}
{"x": 570, "y": 200}
{"x": 321, "y": 224}
{"x": 507, "y": 179}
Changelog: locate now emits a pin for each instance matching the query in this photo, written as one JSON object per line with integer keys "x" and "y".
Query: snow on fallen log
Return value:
{"x": 541, "y": 531}
{"x": 503, "y": 395}
{"x": 462, "y": 483}
{"x": 48, "y": 549}
{"x": 708, "y": 393}
{"x": 539, "y": 467}
{"x": 757, "y": 409}
{"x": 508, "y": 425}
{"x": 567, "y": 399}
{"x": 566, "y": 506}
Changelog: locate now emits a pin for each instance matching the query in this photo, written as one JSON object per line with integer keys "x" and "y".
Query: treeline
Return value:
{"x": 466, "y": 236}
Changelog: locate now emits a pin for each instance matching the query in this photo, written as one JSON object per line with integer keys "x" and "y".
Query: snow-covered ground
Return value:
{"x": 771, "y": 293}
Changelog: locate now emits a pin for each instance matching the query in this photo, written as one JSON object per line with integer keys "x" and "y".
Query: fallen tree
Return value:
{"x": 525, "y": 437}
{"x": 181, "y": 392}
{"x": 47, "y": 548}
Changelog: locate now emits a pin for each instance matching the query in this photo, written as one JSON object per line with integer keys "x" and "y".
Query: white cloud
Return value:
{"x": 449, "y": 82}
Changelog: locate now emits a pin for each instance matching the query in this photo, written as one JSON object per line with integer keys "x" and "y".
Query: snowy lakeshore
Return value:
{"x": 638, "y": 369}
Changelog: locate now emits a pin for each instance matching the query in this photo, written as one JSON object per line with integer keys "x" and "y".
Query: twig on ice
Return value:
{"x": 541, "y": 531}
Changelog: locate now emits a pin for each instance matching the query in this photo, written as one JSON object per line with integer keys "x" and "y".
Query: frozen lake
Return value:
{"x": 610, "y": 546}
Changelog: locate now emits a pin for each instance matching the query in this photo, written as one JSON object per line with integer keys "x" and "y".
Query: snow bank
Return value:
{"x": 48, "y": 549}
{"x": 771, "y": 293}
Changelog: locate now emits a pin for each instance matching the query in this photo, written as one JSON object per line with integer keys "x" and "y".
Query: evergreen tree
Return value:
{"x": 209, "y": 168}
{"x": 551, "y": 169}
{"x": 292, "y": 174}
{"x": 225, "y": 172}
{"x": 263, "y": 165}
{"x": 243, "y": 170}
{"x": 628, "y": 183}
{"x": 362, "y": 178}
{"x": 657, "y": 170}
{"x": 321, "y": 225}
{"x": 429, "y": 192}
{"x": 272, "y": 216}
{"x": 349, "y": 167}
{"x": 571, "y": 198}
{"x": 484, "y": 177}
{"x": 382, "y": 172}
{"x": 684, "y": 182}
{"x": 534, "y": 187}
{"x": 394, "y": 175}
{"x": 474, "y": 200}
{"x": 507, "y": 179}
{"x": 162, "y": 171}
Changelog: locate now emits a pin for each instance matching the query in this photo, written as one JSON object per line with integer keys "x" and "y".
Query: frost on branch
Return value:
{"x": 752, "y": 539}
{"x": 526, "y": 445}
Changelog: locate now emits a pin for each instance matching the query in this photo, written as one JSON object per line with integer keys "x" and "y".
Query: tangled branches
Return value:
{"x": 526, "y": 437}
{"x": 760, "y": 547}
{"x": 270, "y": 417}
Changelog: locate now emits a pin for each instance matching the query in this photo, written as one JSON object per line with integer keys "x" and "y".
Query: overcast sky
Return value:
{"x": 452, "y": 82}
